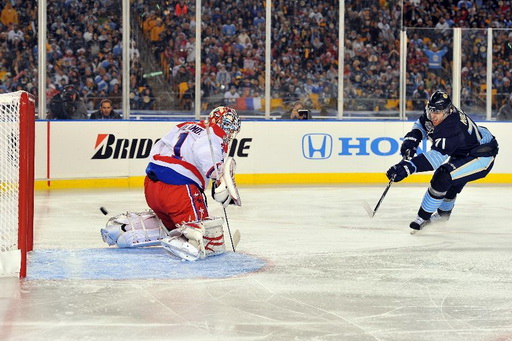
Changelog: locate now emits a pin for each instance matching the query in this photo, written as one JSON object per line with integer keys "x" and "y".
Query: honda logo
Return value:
{"x": 317, "y": 146}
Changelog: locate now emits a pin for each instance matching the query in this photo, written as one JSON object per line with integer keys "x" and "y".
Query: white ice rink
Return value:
{"x": 311, "y": 265}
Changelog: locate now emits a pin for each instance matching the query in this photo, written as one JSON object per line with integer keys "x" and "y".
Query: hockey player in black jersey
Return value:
{"x": 461, "y": 152}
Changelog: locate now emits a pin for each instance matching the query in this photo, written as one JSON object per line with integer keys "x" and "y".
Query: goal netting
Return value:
{"x": 17, "y": 115}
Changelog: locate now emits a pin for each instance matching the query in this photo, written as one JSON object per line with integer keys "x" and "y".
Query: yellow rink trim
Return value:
{"x": 262, "y": 179}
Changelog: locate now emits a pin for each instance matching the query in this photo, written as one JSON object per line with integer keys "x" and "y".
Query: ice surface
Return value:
{"x": 311, "y": 265}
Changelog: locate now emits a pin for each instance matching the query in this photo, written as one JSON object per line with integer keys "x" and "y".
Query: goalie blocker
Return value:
{"x": 189, "y": 241}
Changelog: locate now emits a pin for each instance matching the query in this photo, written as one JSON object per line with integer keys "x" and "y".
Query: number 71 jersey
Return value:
{"x": 456, "y": 136}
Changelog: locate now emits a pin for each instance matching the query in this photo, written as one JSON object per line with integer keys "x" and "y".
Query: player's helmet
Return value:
{"x": 227, "y": 119}
{"x": 439, "y": 102}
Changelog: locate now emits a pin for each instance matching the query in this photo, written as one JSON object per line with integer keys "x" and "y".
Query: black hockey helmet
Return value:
{"x": 439, "y": 102}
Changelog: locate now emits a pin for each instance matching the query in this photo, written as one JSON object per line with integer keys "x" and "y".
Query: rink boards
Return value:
{"x": 76, "y": 154}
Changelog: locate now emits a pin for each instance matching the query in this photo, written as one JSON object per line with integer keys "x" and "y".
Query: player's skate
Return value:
{"x": 418, "y": 224}
{"x": 440, "y": 216}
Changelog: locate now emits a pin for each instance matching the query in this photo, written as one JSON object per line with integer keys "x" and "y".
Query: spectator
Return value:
{"x": 435, "y": 58}
{"x": 228, "y": 29}
{"x": 67, "y": 105}
{"x": 420, "y": 97}
{"x": 231, "y": 96}
{"x": 9, "y": 15}
{"x": 146, "y": 99}
{"x": 155, "y": 34}
{"x": 297, "y": 112}
{"x": 503, "y": 91}
{"x": 15, "y": 36}
{"x": 105, "y": 112}
{"x": 188, "y": 97}
{"x": 181, "y": 8}
{"x": 505, "y": 112}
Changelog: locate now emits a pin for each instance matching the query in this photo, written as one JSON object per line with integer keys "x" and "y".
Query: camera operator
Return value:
{"x": 67, "y": 105}
{"x": 297, "y": 113}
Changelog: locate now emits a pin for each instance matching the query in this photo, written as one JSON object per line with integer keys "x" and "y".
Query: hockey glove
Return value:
{"x": 410, "y": 144}
{"x": 221, "y": 194}
{"x": 400, "y": 171}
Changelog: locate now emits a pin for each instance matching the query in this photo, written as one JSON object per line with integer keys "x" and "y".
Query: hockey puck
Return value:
{"x": 103, "y": 210}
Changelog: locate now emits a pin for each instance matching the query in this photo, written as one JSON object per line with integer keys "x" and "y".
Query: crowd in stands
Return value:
{"x": 84, "y": 49}
{"x": 305, "y": 50}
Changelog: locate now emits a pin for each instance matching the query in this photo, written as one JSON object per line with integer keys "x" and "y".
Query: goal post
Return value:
{"x": 17, "y": 130}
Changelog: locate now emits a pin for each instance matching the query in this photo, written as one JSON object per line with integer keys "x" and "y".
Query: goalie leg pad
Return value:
{"x": 110, "y": 234}
{"x": 133, "y": 229}
{"x": 139, "y": 238}
{"x": 214, "y": 236}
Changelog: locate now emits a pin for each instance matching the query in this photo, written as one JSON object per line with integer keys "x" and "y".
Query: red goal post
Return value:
{"x": 17, "y": 130}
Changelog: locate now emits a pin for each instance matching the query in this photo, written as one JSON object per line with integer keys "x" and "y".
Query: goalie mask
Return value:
{"x": 440, "y": 103}
{"x": 227, "y": 119}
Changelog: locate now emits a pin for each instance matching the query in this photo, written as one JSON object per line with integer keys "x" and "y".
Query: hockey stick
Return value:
{"x": 367, "y": 206}
{"x": 235, "y": 239}
{"x": 218, "y": 175}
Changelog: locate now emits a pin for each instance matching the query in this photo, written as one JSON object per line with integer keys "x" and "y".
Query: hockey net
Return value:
{"x": 17, "y": 114}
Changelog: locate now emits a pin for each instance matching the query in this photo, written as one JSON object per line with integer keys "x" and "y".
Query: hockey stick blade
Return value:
{"x": 368, "y": 209}
{"x": 236, "y": 238}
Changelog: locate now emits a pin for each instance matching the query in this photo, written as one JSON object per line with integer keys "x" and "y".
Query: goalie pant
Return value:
{"x": 175, "y": 204}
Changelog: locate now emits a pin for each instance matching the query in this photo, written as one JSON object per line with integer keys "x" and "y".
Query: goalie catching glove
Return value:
{"x": 224, "y": 189}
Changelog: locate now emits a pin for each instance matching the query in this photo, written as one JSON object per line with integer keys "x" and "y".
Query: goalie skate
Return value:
{"x": 196, "y": 239}
{"x": 179, "y": 247}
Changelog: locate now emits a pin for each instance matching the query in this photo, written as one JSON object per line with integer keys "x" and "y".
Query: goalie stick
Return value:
{"x": 233, "y": 245}
{"x": 236, "y": 238}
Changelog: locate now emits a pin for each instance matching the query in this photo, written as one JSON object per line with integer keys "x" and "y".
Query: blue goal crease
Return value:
{"x": 133, "y": 263}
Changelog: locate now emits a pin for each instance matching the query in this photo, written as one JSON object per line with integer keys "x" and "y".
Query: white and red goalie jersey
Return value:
{"x": 184, "y": 155}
